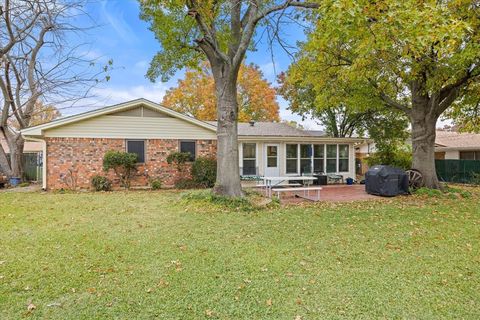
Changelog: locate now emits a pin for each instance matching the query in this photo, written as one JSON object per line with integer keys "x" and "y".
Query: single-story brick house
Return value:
{"x": 74, "y": 146}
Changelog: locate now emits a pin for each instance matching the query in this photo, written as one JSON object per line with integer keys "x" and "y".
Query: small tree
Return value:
{"x": 179, "y": 159}
{"x": 122, "y": 163}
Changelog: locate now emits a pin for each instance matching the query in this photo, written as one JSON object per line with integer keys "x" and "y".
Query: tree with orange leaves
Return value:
{"x": 195, "y": 95}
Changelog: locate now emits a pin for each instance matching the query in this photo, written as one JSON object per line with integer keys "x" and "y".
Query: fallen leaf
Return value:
{"x": 208, "y": 313}
{"x": 298, "y": 318}
{"x": 31, "y": 307}
{"x": 163, "y": 283}
{"x": 269, "y": 302}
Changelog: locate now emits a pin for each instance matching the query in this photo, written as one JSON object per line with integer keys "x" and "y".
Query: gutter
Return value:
{"x": 300, "y": 139}
{"x": 438, "y": 149}
{"x": 44, "y": 160}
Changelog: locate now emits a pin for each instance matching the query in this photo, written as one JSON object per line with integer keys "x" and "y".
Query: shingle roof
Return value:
{"x": 451, "y": 139}
{"x": 273, "y": 129}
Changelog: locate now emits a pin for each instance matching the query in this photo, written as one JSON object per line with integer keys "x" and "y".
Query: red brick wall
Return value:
{"x": 82, "y": 158}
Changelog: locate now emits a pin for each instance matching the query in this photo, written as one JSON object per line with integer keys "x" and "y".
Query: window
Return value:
{"x": 292, "y": 158}
{"x": 343, "y": 157}
{"x": 318, "y": 156}
{"x": 306, "y": 158}
{"x": 331, "y": 158}
{"x": 188, "y": 147}
{"x": 469, "y": 155}
{"x": 272, "y": 157}
{"x": 137, "y": 147}
{"x": 249, "y": 159}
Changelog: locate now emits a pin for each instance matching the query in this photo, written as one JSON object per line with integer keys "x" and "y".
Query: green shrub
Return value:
{"x": 204, "y": 171}
{"x": 178, "y": 158}
{"x": 184, "y": 183}
{"x": 463, "y": 193}
{"x": 448, "y": 192}
{"x": 101, "y": 183}
{"x": 156, "y": 184}
{"x": 122, "y": 163}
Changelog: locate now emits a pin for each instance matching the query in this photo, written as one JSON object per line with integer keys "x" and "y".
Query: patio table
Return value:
{"x": 269, "y": 182}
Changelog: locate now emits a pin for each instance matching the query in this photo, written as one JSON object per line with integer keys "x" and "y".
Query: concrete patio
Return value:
{"x": 334, "y": 193}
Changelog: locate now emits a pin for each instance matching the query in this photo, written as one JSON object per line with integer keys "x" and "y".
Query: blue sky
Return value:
{"x": 123, "y": 37}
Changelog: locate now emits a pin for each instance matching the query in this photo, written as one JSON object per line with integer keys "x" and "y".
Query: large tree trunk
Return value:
{"x": 423, "y": 144}
{"x": 228, "y": 175}
{"x": 16, "y": 163}
{"x": 4, "y": 164}
{"x": 12, "y": 164}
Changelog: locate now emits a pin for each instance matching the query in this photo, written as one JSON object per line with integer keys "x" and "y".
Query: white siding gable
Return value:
{"x": 113, "y": 126}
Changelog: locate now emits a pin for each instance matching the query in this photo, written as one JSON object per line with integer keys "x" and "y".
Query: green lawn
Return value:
{"x": 144, "y": 255}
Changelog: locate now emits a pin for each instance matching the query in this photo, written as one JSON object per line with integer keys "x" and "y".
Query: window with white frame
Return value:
{"x": 249, "y": 159}
{"x": 292, "y": 158}
{"x": 318, "y": 158}
{"x": 306, "y": 158}
{"x": 343, "y": 158}
{"x": 331, "y": 158}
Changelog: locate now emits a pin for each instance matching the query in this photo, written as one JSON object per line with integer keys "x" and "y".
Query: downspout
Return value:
{"x": 44, "y": 160}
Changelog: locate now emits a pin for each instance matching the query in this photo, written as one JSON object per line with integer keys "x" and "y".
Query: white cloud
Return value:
{"x": 286, "y": 114}
{"x": 116, "y": 18}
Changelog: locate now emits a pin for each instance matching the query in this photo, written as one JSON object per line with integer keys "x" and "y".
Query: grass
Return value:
{"x": 144, "y": 255}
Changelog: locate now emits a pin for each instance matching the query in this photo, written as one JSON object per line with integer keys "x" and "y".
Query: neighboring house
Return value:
{"x": 32, "y": 157}
{"x": 455, "y": 145}
{"x": 74, "y": 146}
